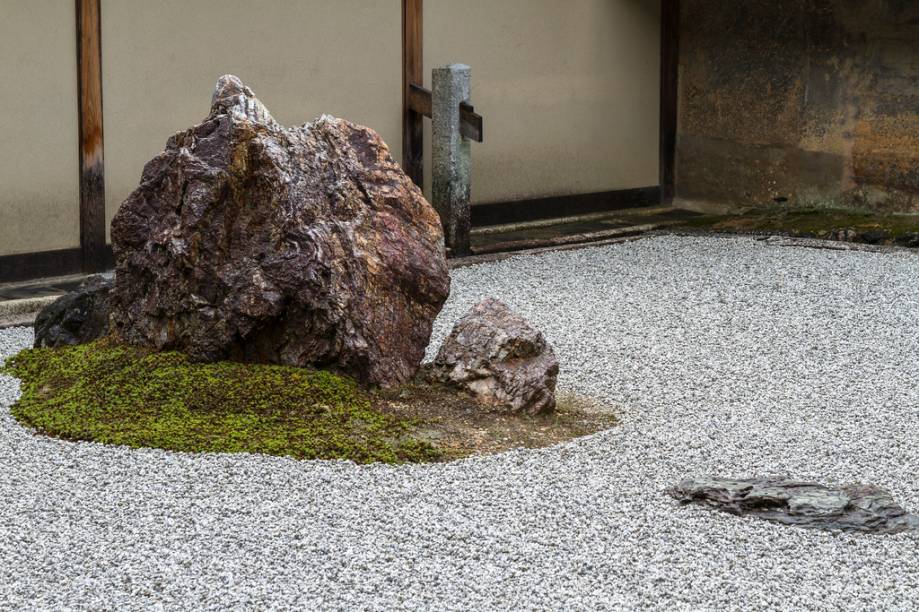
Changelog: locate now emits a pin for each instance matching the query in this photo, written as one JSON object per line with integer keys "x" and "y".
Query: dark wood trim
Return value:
{"x": 30, "y": 266}
{"x": 471, "y": 123}
{"x": 421, "y": 100}
{"x": 412, "y": 74}
{"x": 670, "y": 57}
{"x": 92, "y": 167}
{"x": 500, "y": 213}
{"x": 560, "y": 240}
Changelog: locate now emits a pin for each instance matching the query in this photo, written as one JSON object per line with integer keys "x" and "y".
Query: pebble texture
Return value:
{"x": 725, "y": 356}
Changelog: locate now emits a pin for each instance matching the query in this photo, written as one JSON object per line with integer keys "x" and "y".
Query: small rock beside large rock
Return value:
{"x": 806, "y": 504}
{"x": 75, "y": 318}
{"x": 501, "y": 359}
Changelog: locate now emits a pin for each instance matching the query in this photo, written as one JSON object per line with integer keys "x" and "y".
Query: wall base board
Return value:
{"x": 28, "y": 266}
{"x": 521, "y": 211}
{"x": 42, "y": 264}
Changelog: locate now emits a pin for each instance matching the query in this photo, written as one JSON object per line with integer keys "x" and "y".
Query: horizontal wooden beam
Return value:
{"x": 470, "y": 122}
{"x": 419, "y": 100}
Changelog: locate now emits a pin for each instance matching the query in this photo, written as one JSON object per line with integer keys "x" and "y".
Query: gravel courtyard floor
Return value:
{"x": 726, "y": 356}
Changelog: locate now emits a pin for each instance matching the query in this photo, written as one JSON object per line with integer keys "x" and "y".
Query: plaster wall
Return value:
{"x": 301, "y": 57}
{"x": 799, "y": 102}
{"x": 569, "y": 92}
{"x": 39, "y": 132}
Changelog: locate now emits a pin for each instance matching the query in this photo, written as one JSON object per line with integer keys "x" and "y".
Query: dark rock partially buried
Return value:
{"x": 77, "y": 317}
{"x": 496, "y": 355}
{"x": 806, "y": 504}
{"x": 910, "y": 240}
{"x": 300, "y": 246}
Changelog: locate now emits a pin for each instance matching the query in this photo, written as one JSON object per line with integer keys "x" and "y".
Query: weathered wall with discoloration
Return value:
{"x": 816, "y": 101}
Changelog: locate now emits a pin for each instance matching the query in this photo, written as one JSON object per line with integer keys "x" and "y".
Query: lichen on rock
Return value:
{"x": 308, "y": 245}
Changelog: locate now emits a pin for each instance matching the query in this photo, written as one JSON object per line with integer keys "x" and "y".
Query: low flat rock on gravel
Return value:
{"x": 723, "y": 355}
{"x": 855, "y": 507}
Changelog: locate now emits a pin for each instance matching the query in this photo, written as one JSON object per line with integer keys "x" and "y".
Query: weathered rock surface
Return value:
{"x": 807, "y": 504}
{"x": 495, "y": 354}
{"x": 77, "y": 317}
{"x": 250, "y": 241}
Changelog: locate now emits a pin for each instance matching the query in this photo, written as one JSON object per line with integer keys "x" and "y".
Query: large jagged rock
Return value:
{"x": 502, "y": 360}
{"x": 76, "y": 317}
{"x": 807, "y": 504}
{"x": 250, "y": 241}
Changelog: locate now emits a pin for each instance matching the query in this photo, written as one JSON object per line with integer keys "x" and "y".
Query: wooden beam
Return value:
{"x": 92, "y": 172}
{"x": 670, "y": 59}
{"x": 470, "y": 121}
{"x": 412, "y": 74}
{"x": 419, "y": 100}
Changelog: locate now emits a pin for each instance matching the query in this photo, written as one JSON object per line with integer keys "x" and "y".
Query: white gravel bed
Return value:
{"x": 726, "y": 356}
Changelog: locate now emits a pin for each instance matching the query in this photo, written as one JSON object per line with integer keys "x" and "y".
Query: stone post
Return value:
{"x": 451, "y": 158}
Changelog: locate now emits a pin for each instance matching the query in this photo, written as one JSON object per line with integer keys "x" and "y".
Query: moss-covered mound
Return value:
{"x": 121, "y": 395}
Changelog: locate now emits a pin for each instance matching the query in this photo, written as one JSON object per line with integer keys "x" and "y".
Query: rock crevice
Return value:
{"x": 300, "y": 246}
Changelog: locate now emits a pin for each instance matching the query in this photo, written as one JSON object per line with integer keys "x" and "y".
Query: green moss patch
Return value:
{"x": 123, "y": 395}
{"x": 114, "y": 394}
{"x": 811, "y": 222}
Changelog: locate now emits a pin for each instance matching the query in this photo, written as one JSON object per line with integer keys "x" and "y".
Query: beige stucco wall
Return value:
{"x": 39, "y": 174}
{"x": 301, "y": 57}
{"x": 569, "y": 91}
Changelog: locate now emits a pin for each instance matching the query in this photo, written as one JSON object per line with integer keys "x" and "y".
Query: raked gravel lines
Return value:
{"x": 725, "y": 356}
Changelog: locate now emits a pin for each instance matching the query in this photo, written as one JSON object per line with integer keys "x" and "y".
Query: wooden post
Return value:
{"x": 451, "y": 155}
{"x": 92, "y": 173}
{"x": 670, "y": 30}
{"x": 412, "y": 74}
